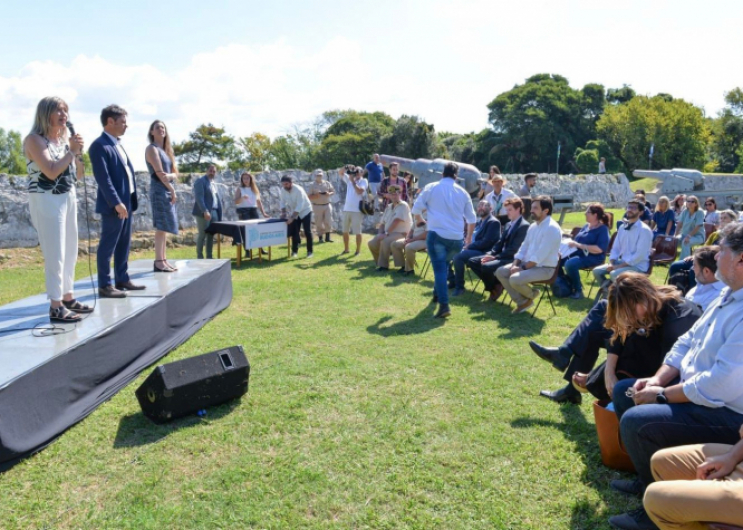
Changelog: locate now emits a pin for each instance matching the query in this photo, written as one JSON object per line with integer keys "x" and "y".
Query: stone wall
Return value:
{"x": 16, "y": 229}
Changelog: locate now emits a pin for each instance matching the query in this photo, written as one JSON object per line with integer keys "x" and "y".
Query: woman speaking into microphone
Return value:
{"x": 53, "y": 160}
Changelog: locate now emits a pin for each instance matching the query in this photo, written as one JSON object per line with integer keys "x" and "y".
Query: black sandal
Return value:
{"x": 166, "y": 269}
{"x": 77, "y": 307}
{"x": 63, "y": 315}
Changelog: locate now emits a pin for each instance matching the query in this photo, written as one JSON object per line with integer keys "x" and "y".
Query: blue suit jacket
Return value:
{"x": 507, "y": 247}
{"x": 204, "y": 199}
{"x": 487, "y": 235}
{"x": 110, "y": 174}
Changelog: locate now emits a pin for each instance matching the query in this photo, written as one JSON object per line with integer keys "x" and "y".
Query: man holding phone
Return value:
{"x": 320, "y": 192}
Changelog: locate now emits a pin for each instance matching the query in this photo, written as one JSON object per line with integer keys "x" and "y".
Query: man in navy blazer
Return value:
{"x": 116, "y": 202}
{"x": 486, "y": 234}
{"x": 504, "y": 250}
{"x": 206, "y": 208}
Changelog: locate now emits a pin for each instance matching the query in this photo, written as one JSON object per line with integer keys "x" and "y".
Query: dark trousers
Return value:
{"x": 586, "y": 340}
{"x": 486, "y": 271}
{"x": 294, "y": 227}
{"x": 681, "y": 265}
{"x": 246, "y": 214}
{"x": 646, "y": 429}
{"x": 116, "y": 236}
{"x": 459, "y": 261}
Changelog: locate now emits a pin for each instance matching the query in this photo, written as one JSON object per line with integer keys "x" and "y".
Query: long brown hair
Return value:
{"x": 629, "y": 290}
{"x": 167, "y": 146}
{"x": 253, "y": 185}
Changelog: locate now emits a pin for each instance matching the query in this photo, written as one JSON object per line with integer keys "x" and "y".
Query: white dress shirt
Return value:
{"x": 125, "y": 158}
{"x": 542, "y": 244}
{"x": 632, "y": 245}
{"x": 704, "y": 294}
{"x": 449, "y": 208}
{"x": 709, "y": 357}
{"x": 295, "y": 201}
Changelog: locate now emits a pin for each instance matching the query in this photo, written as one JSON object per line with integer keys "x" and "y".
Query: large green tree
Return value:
{"x": 676, "y": 128}
{"x": 727, "y": 134}
{"x": 252, "y": 153}
{"x": 353, "y": 138}
{"x": 411, "y": 137}
{"x": 530, "y": 120}
{"x": 206, "y": 145}
{"x": 12, "y": 160}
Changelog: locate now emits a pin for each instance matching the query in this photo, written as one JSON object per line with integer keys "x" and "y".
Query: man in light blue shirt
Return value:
{"x": 449, "y": 210}
{"x": 696, "y": 396}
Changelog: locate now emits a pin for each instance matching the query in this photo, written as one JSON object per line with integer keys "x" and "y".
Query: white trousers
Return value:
{"x": 55, "y": 219}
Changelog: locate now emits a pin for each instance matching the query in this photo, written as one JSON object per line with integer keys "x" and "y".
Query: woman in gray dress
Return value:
{"x": 163, "y": 172}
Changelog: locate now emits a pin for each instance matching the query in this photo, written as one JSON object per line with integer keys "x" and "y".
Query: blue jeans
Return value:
{"x": 681, "y": 265}
{"x": 646, "y": 429}
{"x": 572, "y": 269}
{"x": 441, "y": 251}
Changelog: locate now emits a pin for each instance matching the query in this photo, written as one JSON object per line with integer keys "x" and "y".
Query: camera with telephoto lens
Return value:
{"x": 351, "y": 169}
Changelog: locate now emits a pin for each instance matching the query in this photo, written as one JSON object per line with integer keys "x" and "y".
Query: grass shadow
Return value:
{"x": 137, "y": 430}
{"x": 420, "y": 323}
{"x": 576, "y": 428}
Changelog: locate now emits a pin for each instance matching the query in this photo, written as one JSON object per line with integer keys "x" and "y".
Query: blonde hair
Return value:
{"x": 629, "y": 290}
{"x": 253, "y": 185}
{"x": 44, "y": 110}
{"x": 730, "y": 214}
{"x": 695, "y": 200}
{"x": 663, "y": 200}
{"x": 167, "y": 146}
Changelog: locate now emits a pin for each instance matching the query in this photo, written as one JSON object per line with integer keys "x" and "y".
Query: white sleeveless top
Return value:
{"x": 247, "y": 198}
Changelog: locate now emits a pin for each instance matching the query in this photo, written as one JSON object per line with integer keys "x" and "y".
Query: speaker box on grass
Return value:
{"x": 184, "y": 387}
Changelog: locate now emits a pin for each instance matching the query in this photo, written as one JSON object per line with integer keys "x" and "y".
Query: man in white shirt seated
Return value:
{"x": 708, "y": 287}
{"x": 536, "y": 259}
{"x": 396, "y": 223}
{"x": 631, "y": 249}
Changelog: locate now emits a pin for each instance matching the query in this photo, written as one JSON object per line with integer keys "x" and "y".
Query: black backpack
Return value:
{"x": 681, "y": 281}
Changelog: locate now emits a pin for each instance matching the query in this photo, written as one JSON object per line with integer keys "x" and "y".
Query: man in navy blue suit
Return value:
{"x": 116, "y": 202}
{"x": 486, "y": 235}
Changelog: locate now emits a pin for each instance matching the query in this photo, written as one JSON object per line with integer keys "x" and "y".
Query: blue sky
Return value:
{"x": 263, "y": 67}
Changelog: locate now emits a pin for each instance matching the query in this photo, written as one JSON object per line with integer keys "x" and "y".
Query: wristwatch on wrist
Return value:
{"x": 661, "y": 398}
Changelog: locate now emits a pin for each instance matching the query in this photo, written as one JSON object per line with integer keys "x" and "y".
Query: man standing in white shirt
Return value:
{"x": 296, "y": 208}
{"x": 449, "y": 209}
{"x": 536, "y": 259}
{"x": 356, "y": 187}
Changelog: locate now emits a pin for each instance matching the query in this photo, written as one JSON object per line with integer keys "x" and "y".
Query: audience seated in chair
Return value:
{"x": 663, "y": 222}
{"x": 537, "y": 257}
{"x": 406, "y": 249}
{"x": 587, "y": 248}
{"x": 486, "y": 235}
{"x": 696, "y": 396}
{"x": 631, "y": 249}
{"x": 396, "y": 223}
{"x": 637, "y": 324}
{"x": 504, "y": 250}
{"x": 726, "y": 217}
{"x": 690, "y": 227}
{"x": 695, "y": 485}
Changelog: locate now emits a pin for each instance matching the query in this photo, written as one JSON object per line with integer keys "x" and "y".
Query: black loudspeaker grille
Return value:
{"x": 187, "y": 386}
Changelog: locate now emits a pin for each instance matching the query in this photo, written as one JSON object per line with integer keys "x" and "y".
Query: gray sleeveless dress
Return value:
{"x": 164, "y": 214}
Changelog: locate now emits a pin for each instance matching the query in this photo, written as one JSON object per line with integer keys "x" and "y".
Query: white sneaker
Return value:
{"x": 294, "y": 254}
{"x": 310, "y": 255}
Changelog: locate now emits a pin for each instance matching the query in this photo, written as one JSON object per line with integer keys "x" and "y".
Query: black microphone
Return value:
{"x": 71, "y": 128}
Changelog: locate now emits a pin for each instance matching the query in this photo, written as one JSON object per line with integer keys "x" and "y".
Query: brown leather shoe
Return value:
{"x": 110, "y": 292}
{"x": 129, "y": 286}
{"x": 496, "y": 292}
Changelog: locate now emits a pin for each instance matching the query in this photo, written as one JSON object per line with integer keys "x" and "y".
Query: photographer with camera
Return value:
{"x": 356, "y": 186}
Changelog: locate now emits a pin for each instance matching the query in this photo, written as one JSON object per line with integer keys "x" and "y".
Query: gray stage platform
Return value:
{"x": 49, "y": 383}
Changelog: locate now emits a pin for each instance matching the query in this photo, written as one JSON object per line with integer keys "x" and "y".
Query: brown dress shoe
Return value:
{"x": 496, "y": 292}
{"x": 110, "y": 291}
{"x": 129, "y": 286}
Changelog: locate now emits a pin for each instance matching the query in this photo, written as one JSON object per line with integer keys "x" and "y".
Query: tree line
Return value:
{"x": 542, "y": 125}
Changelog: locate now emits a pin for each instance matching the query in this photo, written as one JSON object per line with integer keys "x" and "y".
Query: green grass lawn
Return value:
{"x": 363, "y": 412}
